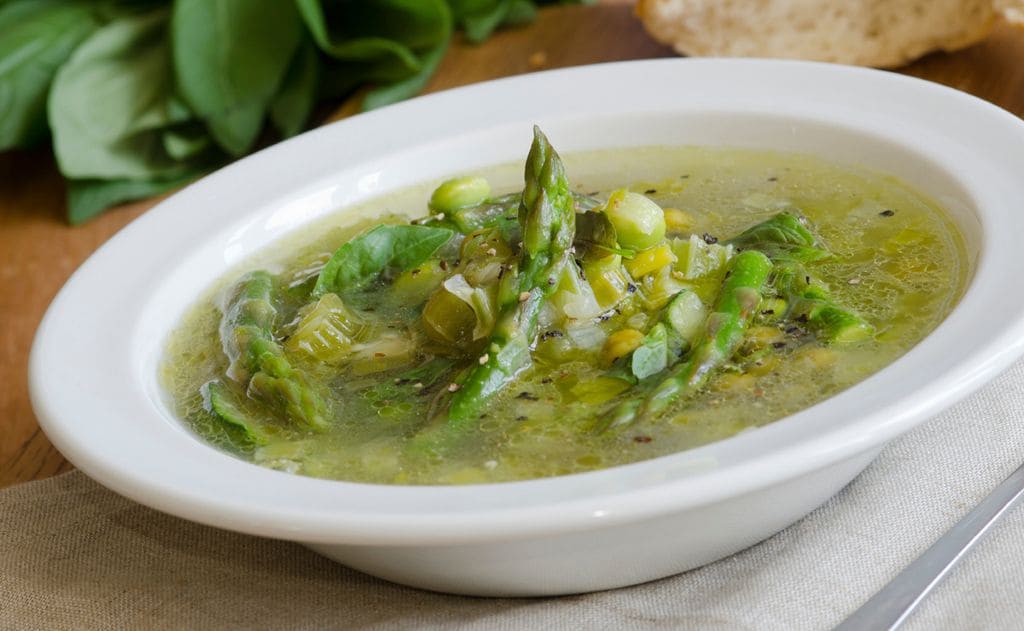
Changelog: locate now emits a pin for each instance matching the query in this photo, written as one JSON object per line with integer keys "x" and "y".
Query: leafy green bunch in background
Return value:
{"x": 141, "y": 96}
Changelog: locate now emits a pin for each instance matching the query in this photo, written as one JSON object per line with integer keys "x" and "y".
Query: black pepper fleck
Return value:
{"x": 650, "y": 191}
{"x": 710, "y": 240}
{"x": 642, "y": 439}
{"x": 888, "y": 212}
{"x": 527, "y": 396}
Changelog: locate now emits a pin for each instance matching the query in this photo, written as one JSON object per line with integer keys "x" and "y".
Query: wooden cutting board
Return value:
{"x": 39, "y": 251}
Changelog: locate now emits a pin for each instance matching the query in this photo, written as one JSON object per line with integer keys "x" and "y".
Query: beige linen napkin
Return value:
{"x": 74, "y": 555}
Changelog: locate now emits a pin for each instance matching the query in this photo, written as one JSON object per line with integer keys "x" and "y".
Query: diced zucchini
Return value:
{"x": 414, "y": 286}
{"x": 448, "y": 319}
{"x": 686, "y": 314}
{"x": 697, "y": 258}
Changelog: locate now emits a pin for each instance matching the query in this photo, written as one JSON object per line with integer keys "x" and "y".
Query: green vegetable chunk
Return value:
{"x": 639, "y": 222}
{"x": 459, "y": 193}
{"x": 385, "y": 248}
{"x": 219, "y": 399}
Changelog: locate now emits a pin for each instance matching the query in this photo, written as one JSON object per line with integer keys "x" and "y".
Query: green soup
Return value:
{"x": 506, "y": 337}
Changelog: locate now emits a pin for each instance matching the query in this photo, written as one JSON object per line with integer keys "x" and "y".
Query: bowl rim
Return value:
{"x": 173, "y": 474}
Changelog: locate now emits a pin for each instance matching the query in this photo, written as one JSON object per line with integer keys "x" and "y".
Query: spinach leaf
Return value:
{"x": 230, "y": 57}
{"x": 88, "y": 198}
{"x": 651, "y": 357}
{"x": 395, "y": 42}
{"x": 383, "y": 248}
{"x": 186, "y": 141}
{"x": 407, "y": 88}
{"x": 38, "y": 36}
{"x": 480, "y": 18}
{"x": 112, "y": 99}
{"x": 291, "y": 107}
{"x": 595, "y": 233}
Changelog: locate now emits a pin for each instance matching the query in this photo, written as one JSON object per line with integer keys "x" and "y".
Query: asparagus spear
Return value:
{"x": 723, "y": 332}
{"x": 741, "y": 293}
{"x": 789, "y": 243}
{"x": 547, "y": 221}
{"x": 812, "y": 304}
{"x": 257, "y": 361}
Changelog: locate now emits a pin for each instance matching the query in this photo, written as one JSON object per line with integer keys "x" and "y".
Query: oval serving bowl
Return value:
{"x": 93, "y": 369}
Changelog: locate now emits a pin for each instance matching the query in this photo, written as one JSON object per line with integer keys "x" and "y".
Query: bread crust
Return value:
{"x": 881, "y": 33}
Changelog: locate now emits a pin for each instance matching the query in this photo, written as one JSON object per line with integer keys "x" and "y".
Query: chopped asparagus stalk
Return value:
{"x": 258, "y": 361}
{"x": 738, "y": 301}
{"x": 219, "y": 399}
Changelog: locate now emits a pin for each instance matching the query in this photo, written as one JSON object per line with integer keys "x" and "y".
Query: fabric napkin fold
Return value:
{"x": 74, "y": 555}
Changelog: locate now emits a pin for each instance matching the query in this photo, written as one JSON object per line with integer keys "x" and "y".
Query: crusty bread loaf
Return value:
{"x": 882, "y": 33}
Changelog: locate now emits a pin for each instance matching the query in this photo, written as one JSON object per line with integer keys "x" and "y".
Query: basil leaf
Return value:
{"x": 651, "y": 357}
{"x": 596, "y": 233}
{"x": 398, "y": 42}
{"x": 111, "y": 100}
{"x": 88, "y": 198}
{"x": 291, "y": 107}
{"x": 384, "y": 248}
{"x": 186, "y": 141}
{"x": 480, "y": 18}
{"x": 38, "y": 36}
{"x": 230, "y": 57}
{"x": 401, "y": 90}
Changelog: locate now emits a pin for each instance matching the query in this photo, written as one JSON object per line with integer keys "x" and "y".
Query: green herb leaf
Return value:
{"x": 291, "y": 107}
{"x": 39, "y": 35}
{"x": 395, "y": 42}
{"x": 383, "y": 248}
{"x": 186, "y": 141}
{"x": 595, "y": 234}
{"x": 88, "y": 198}
{"x": 651, "y": 357}
{"x": 230, "y": 57}
{"x": 111, "y": 100}
{"x": 480, "y": 18}
{"x": 407, "y": 88}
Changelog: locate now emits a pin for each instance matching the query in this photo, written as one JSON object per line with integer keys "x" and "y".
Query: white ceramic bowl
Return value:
{"x": 94, "y": 364}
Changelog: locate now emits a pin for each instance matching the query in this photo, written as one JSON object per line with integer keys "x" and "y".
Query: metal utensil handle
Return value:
{"x": 890, "y": 607}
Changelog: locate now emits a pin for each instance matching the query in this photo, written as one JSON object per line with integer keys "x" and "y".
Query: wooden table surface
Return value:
{"x": 39, "y": 251}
